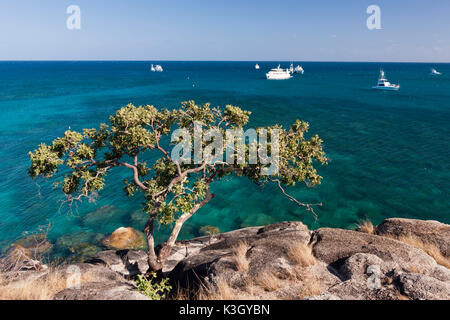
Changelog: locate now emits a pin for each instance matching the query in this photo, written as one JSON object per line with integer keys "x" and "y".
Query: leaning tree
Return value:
{"x": 174, "y": 189}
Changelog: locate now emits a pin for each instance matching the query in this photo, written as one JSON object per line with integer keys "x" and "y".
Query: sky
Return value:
{"x": 251, "y": 30}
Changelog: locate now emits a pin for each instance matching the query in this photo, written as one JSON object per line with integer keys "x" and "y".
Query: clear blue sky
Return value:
{"x": 330, "y": 30}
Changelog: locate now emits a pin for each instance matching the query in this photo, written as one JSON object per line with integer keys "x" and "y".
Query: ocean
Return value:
{"x": 389, "y": 151}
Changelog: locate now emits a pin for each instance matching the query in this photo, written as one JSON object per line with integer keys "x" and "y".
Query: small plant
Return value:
{"x": 366, "y": 226}
{"x": 239, "y": 256}
{"x": 209, "y": 231}
{"x": 302, "y": 255}
{"x": 155, "y": 291}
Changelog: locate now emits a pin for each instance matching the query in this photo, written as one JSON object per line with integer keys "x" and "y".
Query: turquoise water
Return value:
{"x": 389, "y": 151}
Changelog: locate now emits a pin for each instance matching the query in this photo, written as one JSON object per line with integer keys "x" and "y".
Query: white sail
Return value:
{"x": 434, "y": 72}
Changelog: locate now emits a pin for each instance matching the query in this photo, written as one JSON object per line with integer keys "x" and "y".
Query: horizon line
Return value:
{"x": 198, "y": 60}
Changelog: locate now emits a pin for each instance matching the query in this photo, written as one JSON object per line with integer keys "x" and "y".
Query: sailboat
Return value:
{"x": 257, "y": 66}
{"x": 434, "y": 72}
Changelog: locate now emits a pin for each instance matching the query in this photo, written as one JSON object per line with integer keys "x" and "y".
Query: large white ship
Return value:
{"x": 278, "y": 74}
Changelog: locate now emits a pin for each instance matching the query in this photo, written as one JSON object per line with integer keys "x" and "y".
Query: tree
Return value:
{"x": 174, "y": 189}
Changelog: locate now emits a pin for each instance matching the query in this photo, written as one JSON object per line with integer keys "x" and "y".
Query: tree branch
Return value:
{"x": 135, "y": 174}
{"x": 308, "y": 206}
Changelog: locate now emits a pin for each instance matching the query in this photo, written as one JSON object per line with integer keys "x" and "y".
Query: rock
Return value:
{"x": 441, "y": 273}
{"x": 125, "y": 262}
{"x": 356, "y": 266}
{"x": 346, "y": 265}
{"x": 105, "y": 218}
{"x": 358, "y": 290}
{"x": 125, "y": 238}
{"x": 268, "y": 248}
{"x": 78, "y": 237}
{"x": 35, "y": 244}
{"x": 427, "y": 230}
{"x": 91, "y": 272}
{"x": 334, "y": 246}
{"x": 101, "y": 291}
{"x": 323, "y": 296}
{"x": 423, "y": 287}
{"x": 81, "y": 252}
{"x": 19, "y": 258}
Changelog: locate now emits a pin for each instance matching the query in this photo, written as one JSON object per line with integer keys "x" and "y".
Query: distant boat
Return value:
{"x": 434, "y": 72}
{"x": 156, "y": 68}
{"x": 299, "y": 69}
{"x": 257, "y": 66}
{"x": 278, "y": 74}
{"x": 384, "y": 84}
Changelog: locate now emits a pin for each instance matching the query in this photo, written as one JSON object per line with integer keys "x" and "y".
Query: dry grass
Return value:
{"x": 366, "y": 226}
{"x": 311, "y": 287}
{"x": 181, "y": 294}
{"x": 219, "y": 290}
{"x": 430, "y": 248}
{"x": 302, "y": 255}
{"x": 401, "y": 296}
{"x": 268, "y": 281}
{"x": 40, "y": 288}
{"x": 239, "y": 256}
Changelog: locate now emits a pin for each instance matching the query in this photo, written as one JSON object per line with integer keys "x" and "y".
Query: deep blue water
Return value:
{"x": 389, "y": 151}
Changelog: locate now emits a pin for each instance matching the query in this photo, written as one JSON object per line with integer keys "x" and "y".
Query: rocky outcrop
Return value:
{"x": 350, "y": 264}
{"x": 112, "y": 290}
{"x": 279, "y": 261}
{"x": 125, "y": 238}
{"x": 25, "y": 253}
{"x": 334, "y": 246}
{"x": 429, "y": 231}
{"x": 267, "y": 250}
{"x": 127, "y": 263}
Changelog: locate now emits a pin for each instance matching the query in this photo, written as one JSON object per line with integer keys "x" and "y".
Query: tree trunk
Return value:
{"x": 156, "y": 261}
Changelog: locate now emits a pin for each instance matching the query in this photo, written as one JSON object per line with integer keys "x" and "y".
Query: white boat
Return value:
{"x": 299, "y": 69}
{"x": 384, "y": 84}
{"x": 257, "y": 66}
{"x": 156, "y": 68}
{"x": 434, "y": 72}
{"x": 278, "y": 74}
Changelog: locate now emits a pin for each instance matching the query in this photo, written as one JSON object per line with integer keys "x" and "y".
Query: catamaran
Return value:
{"x": 156, "y": 68}
{"x": 278, "y": 74}
{"x": 384, "y": 84}
{"x": 434, "y": 72}
{"x": 299, "y": 69}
